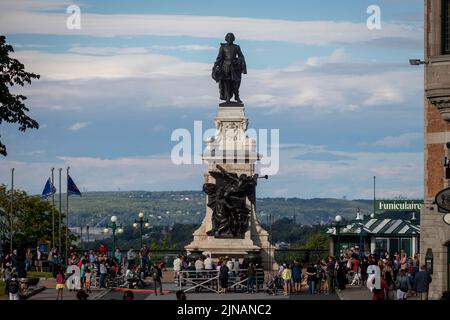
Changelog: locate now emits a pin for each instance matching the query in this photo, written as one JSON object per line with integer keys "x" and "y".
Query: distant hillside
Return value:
{"x": 167, "y": 208}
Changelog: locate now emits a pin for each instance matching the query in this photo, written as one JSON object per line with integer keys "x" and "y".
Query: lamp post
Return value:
{"x": 338, "y": 220}
{"x": 87, "y": 232}
{"x": 141, "y": 222}
{"x": 114, "y": 226}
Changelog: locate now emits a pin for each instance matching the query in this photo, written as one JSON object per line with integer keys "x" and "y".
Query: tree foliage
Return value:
{"x": 12, "y": 106}
{"x": 32, "y": 219}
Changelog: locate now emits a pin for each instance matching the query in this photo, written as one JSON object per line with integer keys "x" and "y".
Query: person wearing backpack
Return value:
{"x": 13, "y": 288}
{"x": 403, "y": 285}
{"x": 422, "y": 282}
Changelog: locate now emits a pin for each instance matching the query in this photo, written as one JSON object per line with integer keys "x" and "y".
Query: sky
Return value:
{"x": 347, "y": 103}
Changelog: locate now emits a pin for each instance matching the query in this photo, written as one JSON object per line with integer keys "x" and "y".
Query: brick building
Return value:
{"x": 435, "y": 233}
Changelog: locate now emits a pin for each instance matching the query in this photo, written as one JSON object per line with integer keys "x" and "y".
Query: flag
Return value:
{"x": 72, "y": 187}
{"x": 49, "y": 189}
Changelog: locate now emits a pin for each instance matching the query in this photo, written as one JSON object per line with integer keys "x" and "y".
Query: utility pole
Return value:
{"x": 67, "y": 216}
{"x": 53, "y": 208}
{"x": 60, "y": 212}
{"x": 81, "y": 236}
{"x": 374, "y": 208}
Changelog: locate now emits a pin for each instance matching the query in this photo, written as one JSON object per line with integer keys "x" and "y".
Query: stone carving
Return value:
{"x": 228, "y": 200}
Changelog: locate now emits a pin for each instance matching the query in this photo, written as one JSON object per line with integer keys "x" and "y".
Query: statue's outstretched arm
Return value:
{"x": 226, "y": 174}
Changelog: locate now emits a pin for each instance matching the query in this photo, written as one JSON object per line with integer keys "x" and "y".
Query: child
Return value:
{"x": 60, "y": 280}
{"x": 87, "y": 280}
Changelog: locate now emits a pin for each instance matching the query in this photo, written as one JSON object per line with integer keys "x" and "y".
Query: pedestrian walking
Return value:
{"x": 251, "y": 274}
{"x": 422, "y": 282}
{"x": 157, "y": 276}
{"x": 311, "y": 272}
{"x": 297, "y": 276}
{"x": 103, "y": 271}
{"x": 331, "y": 275}
{"x": 87, "y": 279}
{"x": 402, "y": 285}
{"x": 60, "y": 284}
{"x": 223, "y": 277}
{"x": 287, "y": 278}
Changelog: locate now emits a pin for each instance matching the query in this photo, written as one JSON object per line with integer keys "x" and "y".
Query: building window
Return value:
{"x": 445, "y": 26}
{"x": 393, "y": 246}
{"x": 406, "y": 246}
{"x": 381, "y": 246}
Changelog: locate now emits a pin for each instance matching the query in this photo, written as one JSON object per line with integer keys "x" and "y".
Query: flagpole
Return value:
{"x": 53, "y": 208}
{"x": 67, "y": 215}
{"x": 60, "y": 211}
{"x": 11, "y": 213}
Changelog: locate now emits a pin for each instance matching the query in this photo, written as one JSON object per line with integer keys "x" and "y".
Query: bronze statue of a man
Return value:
{"x": 228, "y": 68}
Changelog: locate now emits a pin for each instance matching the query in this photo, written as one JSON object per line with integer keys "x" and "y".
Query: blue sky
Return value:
{"x": 345, "y": 99}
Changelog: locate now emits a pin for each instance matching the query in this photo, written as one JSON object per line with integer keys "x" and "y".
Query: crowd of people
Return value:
{"x": 389, "y": 277}
{"x": 84, "y": 269}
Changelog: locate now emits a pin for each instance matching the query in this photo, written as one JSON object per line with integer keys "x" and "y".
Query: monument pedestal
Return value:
{"x": 232, "y": 149}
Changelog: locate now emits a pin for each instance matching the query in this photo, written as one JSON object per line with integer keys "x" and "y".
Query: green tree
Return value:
{"x": 32, "y": 220}
{"x": 319, "y": 240}
{"x": 12, "y": 107}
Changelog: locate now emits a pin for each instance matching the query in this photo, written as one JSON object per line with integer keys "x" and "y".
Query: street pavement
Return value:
{"x": 50, "y": 292}
{"x": 169, "y": 290}
{"x": 350, "y": 293}
{"x": 360, "y": 293}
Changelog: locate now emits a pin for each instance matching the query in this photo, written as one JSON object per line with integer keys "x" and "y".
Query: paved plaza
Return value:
{"x": 49, "y": 293}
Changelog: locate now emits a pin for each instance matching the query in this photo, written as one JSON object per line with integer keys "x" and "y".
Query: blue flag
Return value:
{"x": 49, "y": 189}
{"x": 72, "y": 187}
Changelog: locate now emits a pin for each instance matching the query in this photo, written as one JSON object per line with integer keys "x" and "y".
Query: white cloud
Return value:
{"x": 153, "y": 75}
{"x": 127, "y": 173}
{"x": 35, "y": 152}
{"x": 79, "y": 125}
{"x": 339, "y": 55}
{"x": 107, "y": 25}
{"x": 136, "y": 50}
{"x": 123, "y": 64}
{"x": 108, "y": 50}
{"x": 185, "y": 47}
{"x": 397, "y": 174}
{"x": 402, "y": 140}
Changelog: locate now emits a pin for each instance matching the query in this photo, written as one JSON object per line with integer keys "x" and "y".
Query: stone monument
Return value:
{"x": 231, "y": 227}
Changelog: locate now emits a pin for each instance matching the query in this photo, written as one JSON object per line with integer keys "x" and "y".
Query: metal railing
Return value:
{"x": 188, "y": 280}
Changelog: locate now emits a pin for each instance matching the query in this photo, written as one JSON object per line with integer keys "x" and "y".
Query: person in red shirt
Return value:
{"x": 102, "y": 248}
{"x": 355, "y": 265}
{"x": 378, "y": 294}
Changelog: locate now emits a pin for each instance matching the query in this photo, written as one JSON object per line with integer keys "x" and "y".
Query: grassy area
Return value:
{"x": 35, "y": 274}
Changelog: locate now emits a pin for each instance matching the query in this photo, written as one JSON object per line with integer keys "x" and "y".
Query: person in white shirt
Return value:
{"x": 199, "y": 265}
{"x": 208, "y": 262}
{"x": 230, "y": 264}
{"x": 236, "y": 266}
{"x": 177, "y": 264}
